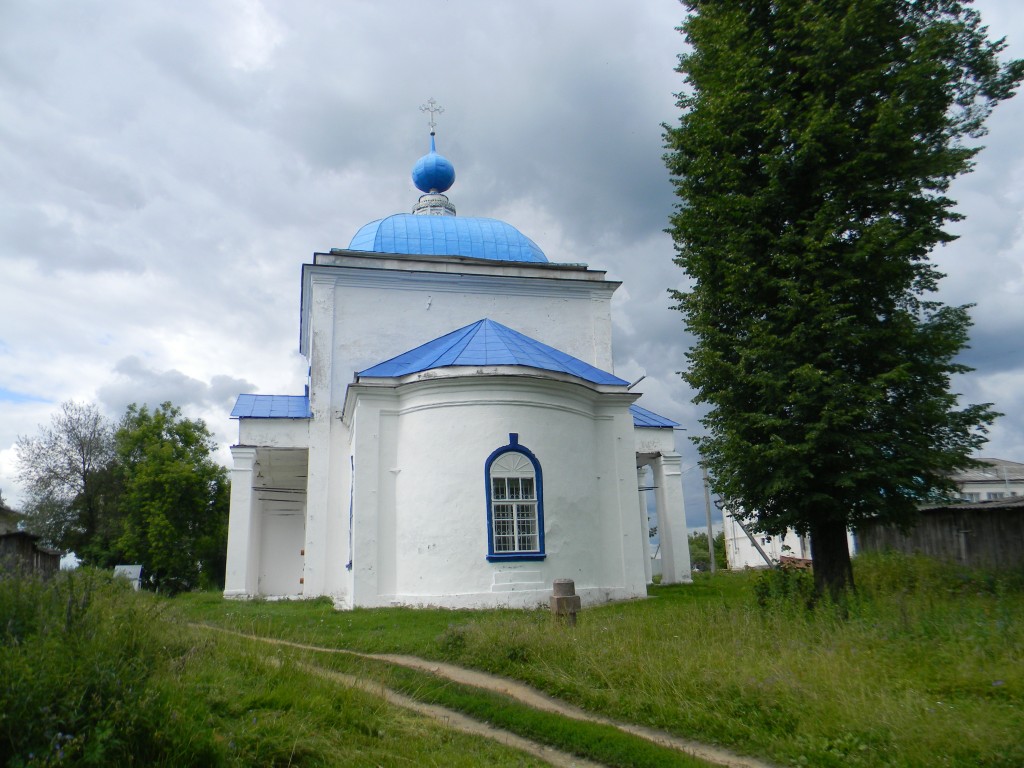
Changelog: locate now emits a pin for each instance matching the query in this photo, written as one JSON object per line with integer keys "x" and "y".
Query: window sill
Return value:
{"x": 517, "y": 557}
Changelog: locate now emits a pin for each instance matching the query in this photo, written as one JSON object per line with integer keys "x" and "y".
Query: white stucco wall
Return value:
{"x": 279, "y": 433}
{"x": 653, "y": 441}
{"x": 359, "y": 310}
{"x": 379, "y": 311}
{"x": 420, "y": 494}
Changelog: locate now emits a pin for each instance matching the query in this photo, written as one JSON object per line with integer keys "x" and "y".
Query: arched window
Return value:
{"x": 515, "y": 504}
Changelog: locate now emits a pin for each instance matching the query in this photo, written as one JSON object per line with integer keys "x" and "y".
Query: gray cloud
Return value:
{"x": 168, "y": 168}
{"x": 134, "y": 382}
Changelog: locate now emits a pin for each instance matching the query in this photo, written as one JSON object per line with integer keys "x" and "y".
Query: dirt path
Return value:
{"x": 514, "y": 690}
{"x": 447, "y": 718}
{"x": 538, "y": 700}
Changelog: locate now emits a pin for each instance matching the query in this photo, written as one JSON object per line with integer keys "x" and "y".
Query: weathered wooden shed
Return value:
{"x": 987, "y": 534}
{"x": 20, "y": 550}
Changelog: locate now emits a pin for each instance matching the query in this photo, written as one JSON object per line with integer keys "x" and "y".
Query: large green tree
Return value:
{"x": 174, "y": 500}
{"x": 813, "y": 157}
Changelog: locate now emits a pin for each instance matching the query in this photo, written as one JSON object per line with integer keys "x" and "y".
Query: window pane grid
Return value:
{"x": 514, "y": 515}
{"x": 504, "y": 528}
{"x": 499, "y": 492}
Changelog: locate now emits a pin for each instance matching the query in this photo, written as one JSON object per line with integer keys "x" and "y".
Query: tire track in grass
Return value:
{"x": 539, "y": 700}
{"x": 525, "y": 695}
{"x": 447, "y": 718}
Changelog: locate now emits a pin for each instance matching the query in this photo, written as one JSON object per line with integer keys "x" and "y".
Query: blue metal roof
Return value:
{"x": 271, "y": 407}
{"x": 486, "y": 342}
{"x": 476, "y": 238}
{"x": 644, "y": 418}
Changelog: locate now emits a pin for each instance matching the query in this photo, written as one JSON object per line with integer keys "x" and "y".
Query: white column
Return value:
{"x": 645, "y": 528}
{"x": 243, "y": 543}
{"x": 675, "y": 549}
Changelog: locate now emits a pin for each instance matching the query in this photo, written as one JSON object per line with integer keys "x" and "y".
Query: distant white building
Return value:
{"x": 461, "y": 442}
{"x": 743, "y": 551}
{"x": 997, "y": 479}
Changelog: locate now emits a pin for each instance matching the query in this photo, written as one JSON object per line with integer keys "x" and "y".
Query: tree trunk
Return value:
{"x": 830, "y": 555}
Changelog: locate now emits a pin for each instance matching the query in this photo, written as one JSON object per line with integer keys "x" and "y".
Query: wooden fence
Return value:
{"x": 984, "y": 534}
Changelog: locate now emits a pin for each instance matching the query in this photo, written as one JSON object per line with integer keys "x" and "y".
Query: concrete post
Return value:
{"x": 564, "y": 600}
{"x": 707, "y": 513}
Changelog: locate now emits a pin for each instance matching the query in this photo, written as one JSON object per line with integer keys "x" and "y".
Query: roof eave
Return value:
{"x": 470, "y": 371}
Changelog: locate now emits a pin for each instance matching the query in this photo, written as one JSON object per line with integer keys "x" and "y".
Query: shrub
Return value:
{"x": 778, "y": 586}
{"x": 79, "y": 654}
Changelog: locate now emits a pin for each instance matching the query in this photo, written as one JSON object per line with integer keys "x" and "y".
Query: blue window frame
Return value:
{"x": 515, "y": 503}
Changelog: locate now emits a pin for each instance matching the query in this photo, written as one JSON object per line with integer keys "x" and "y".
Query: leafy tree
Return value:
{"x": 66, "y": 471}
{"x": 144, "y": 492}
{"x": 816, "y": 146}
{"x": 699, "y": 550}
{"x": 174, "y": 500}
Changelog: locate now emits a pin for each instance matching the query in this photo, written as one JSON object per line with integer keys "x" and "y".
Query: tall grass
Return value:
{"x": 77, "y": 655}
{"x": 923, "y": 667}
{"x": 94, "y": 674}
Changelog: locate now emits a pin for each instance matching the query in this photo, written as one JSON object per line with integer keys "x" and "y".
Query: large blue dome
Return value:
{"x": 433, "y": 172}
{"x": 447, "y": 236}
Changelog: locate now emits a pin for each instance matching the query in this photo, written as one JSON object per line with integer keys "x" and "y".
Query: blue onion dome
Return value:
{"x": 432, "y": 172}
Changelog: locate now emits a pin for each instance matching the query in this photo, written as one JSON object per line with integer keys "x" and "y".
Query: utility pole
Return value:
{"x": 707, "y": 510}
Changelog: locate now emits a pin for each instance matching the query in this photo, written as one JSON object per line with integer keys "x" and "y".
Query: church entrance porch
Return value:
{"x": 268, "y": 514}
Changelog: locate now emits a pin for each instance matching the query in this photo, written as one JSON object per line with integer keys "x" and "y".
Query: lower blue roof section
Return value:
{"x": 271, "y": 407}
{"x": 297, "y": 406}
{"x": 478, "y": 238}
{"x": 486, "y": 342}
{"x": 644, "y": 418}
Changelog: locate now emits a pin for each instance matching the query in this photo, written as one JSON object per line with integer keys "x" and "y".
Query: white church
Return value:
{"x": 462, "y": 441}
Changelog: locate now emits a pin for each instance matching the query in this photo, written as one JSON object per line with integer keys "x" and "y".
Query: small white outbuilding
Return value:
{"x": 461, "y": 442}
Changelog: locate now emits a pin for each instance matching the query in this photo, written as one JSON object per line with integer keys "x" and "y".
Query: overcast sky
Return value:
{"x": 165, "y": 169}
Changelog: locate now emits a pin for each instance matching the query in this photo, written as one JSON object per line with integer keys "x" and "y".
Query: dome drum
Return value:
{"x": 433, "y": 205}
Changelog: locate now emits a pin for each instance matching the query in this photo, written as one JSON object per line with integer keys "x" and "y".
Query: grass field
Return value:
{"x": 94, "y": 674}
{"x": 924, "y": 667}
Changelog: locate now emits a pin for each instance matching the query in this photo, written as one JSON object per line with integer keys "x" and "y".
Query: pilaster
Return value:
{"x": 240, "y": 578}
{"x": 320, "y": 495}
{"x": 675, "y": 548}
